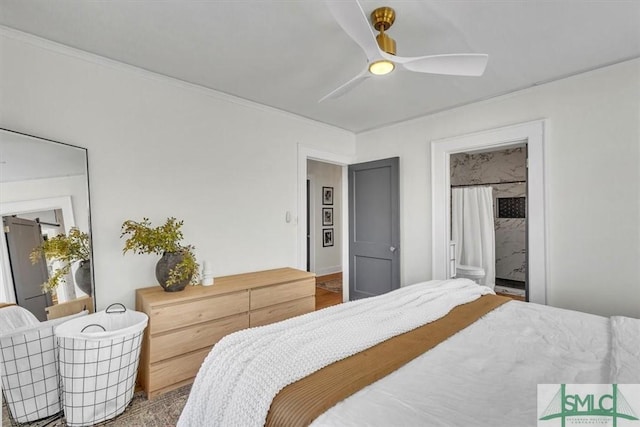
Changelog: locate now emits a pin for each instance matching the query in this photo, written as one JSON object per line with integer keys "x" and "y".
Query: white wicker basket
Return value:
{"x": 98, "y": 362}
{"x": 29, "y": 367}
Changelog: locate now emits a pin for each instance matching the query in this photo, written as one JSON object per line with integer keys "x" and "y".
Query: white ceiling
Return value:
{"x": 288, "y": 54}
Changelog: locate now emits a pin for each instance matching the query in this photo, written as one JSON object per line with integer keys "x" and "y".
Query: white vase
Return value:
{"x": 207, "y": 274}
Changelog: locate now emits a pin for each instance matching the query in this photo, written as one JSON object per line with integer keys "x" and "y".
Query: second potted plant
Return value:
{"x": 178, "y": 266}
{"x": 67, "y": 249}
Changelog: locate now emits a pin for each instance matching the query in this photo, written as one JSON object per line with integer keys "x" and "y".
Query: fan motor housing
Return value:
{"x": 383, "y": 18}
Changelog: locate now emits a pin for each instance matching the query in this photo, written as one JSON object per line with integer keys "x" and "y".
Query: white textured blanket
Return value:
{"x": 245, "y": 370}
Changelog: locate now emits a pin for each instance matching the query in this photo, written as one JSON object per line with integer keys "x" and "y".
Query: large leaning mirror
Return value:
{"x": 44, "y": 197}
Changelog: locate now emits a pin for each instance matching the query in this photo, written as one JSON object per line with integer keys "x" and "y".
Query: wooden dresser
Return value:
{"x": 183, "y": 326}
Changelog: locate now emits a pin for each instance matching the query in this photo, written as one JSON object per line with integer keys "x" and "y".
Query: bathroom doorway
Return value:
{"x": 489, "y": 217}
{"x": 533, "y": 133}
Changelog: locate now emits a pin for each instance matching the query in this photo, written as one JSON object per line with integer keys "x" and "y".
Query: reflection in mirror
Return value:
{"x": 44, "y": 192}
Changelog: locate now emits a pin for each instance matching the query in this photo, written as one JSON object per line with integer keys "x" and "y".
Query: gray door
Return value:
{"x": 374, "y": 228}
{"x": 23, "y": 236}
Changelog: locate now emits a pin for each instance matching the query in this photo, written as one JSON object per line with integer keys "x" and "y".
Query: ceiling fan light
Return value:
{"x": 382, "y": 67}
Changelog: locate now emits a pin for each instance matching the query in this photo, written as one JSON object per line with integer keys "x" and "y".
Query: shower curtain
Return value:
{"x": 472, "y": 228}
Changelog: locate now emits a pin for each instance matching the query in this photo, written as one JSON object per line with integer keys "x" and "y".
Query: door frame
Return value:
{"x": 533, "y": 133}
{"x": 311, "y": 262}
{"x": 24, "y": 206}
{"x": 309, "y": 153}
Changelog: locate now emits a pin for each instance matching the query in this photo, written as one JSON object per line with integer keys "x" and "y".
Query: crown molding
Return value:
{"x": 82, "y": 55}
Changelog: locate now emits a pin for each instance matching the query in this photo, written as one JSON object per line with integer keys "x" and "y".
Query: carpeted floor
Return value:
{"x": 331, "y": 285}
{"x": 162, "y": 411}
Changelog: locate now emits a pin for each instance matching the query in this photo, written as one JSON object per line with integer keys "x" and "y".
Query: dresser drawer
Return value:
{"x": 278, "y": 312}
{"x": 175, "y": 343}
{"x": 178, "y": 315}
{"x": 172, "y": 371}
{"x": 263, "y": 297}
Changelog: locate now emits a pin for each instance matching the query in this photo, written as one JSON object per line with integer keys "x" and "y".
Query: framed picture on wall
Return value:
{"x": 327, "y": 216}
{"x": 327, "y": 195}
{"x": 327, "y": 237}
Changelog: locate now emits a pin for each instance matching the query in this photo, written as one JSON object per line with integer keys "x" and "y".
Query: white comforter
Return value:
{"x": 487, "y": 374}
{"x": 245, "y": 370}
{"x": 625, "y": 350}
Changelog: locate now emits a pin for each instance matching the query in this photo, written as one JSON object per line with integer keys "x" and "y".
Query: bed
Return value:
{"x": 482, "y": 372}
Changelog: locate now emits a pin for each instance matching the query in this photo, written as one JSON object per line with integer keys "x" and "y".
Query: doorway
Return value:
{"x": 324, "y": 218}
{"x": 345, "y": 240}
{"x": 533, "y": 133}
{"x": 341, "y": 242}
{"x": 489, "y": 221}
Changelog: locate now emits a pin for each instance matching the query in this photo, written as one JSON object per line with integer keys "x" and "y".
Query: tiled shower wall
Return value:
{"x": 489, "y": 168}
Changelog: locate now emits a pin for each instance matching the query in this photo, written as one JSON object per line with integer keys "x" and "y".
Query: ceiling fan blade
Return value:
{"x": 347, "y": 86}
{"x": 461, "y": 64}
{"x": 355, "y": 23}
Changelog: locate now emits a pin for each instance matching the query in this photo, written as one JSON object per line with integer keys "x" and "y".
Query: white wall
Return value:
{"x": 592, "y": 156}
{"x": 160, "y": 148}
{"x": 328, "y": 259}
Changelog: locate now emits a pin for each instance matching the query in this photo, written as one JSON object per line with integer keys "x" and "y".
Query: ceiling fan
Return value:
{"x": 381, "y": 49}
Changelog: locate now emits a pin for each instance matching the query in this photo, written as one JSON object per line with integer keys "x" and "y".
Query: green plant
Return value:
{"x": 145, "y": 239}
{"x": 66, "y": 249}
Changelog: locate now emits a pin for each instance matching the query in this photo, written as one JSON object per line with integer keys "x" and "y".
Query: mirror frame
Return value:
{"x": 61, "y": 202}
